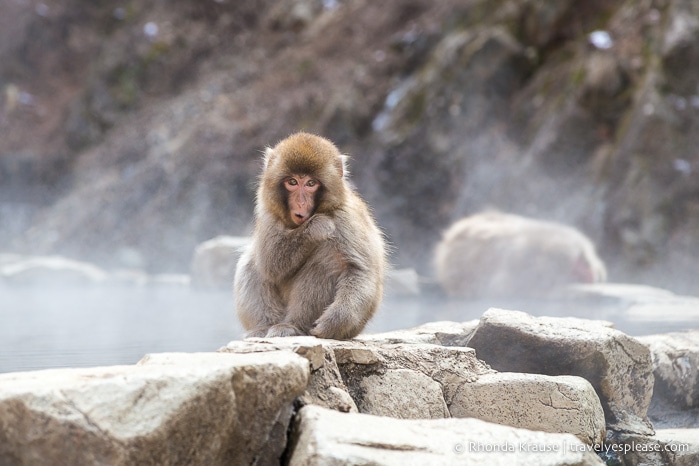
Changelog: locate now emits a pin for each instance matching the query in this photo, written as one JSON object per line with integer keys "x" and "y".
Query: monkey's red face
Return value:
{"x": 301, "y": 191}
{"x": 582, "y": 271}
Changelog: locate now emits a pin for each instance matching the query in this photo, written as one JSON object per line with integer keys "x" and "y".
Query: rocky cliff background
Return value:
{"x": 131, "y": 131}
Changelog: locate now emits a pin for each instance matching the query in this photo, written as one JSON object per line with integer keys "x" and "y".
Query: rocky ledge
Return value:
{"x": 507, "y": 389}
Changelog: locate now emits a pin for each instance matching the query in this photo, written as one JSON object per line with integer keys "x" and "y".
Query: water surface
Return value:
{"x": 45, "y": 328}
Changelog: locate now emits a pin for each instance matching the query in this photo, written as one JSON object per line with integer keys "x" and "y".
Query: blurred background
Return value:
{"x": 132, "y": 131}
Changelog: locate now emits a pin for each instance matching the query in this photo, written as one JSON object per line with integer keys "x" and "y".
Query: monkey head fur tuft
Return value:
{"x": 303, "y": 154}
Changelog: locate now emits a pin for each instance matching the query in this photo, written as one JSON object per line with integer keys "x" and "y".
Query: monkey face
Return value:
{"x": 301, "y": 197}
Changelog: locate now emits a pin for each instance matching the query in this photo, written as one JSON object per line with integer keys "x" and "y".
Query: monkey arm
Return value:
{"x": 283, "y": 251}
{"x": 359, "y": 287}
{"x": 356, "y": 299}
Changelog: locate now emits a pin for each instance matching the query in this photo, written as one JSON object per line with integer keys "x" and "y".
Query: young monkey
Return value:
{"x": 317, "y": 260}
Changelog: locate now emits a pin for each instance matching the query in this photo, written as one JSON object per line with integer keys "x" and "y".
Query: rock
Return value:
{"x": 310, "y": 348}
{"x": 618, "y": 366}
{"x": 294, "y": 15}
{"x": 6, "y": 259}
{"x": 450, "y": 367}
{"x": 376, "y": 378}
{"x": 403, "y": 394}
{"x": 320, "y": 436}
{"x": 435, "y": 333}
{"x": 214, "y": 262}
{"x": 682, "y": 445}
{"x": 666, "y": 415}
{"x": 679, "y": 48}
{"x": 676, "y": 366}
{"x": 169, "y": 409}
{"x": 668, "y": 447}
{"x": 51, "y": 271}
{"x": 562, "y": 404}
{"x": 325, "y": 385}
{"x": 637, "y": 305}
{"x": 357, "y": 354}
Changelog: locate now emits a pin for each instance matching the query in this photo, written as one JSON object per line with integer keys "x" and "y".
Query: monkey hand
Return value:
{"x": 329, "y": 326}
{"x": 320, "y": 227}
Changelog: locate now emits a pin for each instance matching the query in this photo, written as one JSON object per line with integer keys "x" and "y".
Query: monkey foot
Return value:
{"x": 256, "y": 333}
{"x": 283, "y": 330}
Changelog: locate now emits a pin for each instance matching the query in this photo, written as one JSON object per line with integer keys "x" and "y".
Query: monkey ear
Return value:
{"x": 344, "y": 171}
{"x": 269, "y": 156}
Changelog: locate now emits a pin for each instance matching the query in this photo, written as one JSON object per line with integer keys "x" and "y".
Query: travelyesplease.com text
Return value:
{"x": 529, "y": 447}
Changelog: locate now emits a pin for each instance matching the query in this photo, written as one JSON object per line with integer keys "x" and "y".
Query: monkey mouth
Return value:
{"x": 298, "y": 219}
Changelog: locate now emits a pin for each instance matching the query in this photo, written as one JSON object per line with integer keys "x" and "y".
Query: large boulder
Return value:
{"x": 321, "y": 436}
{"x": 676, "y": 367}
{"x": 325, "y": 385}
{"x": 428, "y": 381}
{"x": 618, "y": 367}
{"x": 214, "y": 262}
{"x": 532, "y": 401}
{"x": 403, "y": 380}
{"x": 204, "y": 408}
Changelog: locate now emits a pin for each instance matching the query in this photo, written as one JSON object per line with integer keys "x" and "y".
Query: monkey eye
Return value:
{"x": 292, "y": 182}
{"x": 311, "y": 183}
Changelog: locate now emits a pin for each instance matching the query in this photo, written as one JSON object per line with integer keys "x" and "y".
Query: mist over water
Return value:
{"x": 77, "y": 327}
{"x": 72, "y": 327}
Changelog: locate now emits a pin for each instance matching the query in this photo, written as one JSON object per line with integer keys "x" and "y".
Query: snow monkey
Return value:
{"x": 497, "y": 254}
{"x": 317, "y": 259}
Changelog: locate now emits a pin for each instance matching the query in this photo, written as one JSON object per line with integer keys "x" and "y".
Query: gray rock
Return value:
{"x": 170, "y": 409}
{"x": 435, "y": 333}
{"x": 666, "y": 415}
{"x": 450, "y": 367}
{"x": 403, "y": 394}
{"x": 618, "y": 366}
{"x": 676, "y": 366}
{"x": 214, "y": 262}
{"x": 682, "y": 445}
{"x": 402, "y": 381}
{"x": 51, "y": 271}
{"x": 324, "y": 437}
{"x": 680, "y": 46}
{"x": 325, "y": 385}
{"x": 668, "y": 447}
{"x": 562, "y": 404}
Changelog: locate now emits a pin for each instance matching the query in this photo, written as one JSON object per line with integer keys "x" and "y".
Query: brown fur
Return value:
{"x": 496, "y": 254}
{"x": 323, "y": 277}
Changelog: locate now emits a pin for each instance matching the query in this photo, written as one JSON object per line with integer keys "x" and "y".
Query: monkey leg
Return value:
{"x": 312, "y": 291}
{"x": 258, "y": 303}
